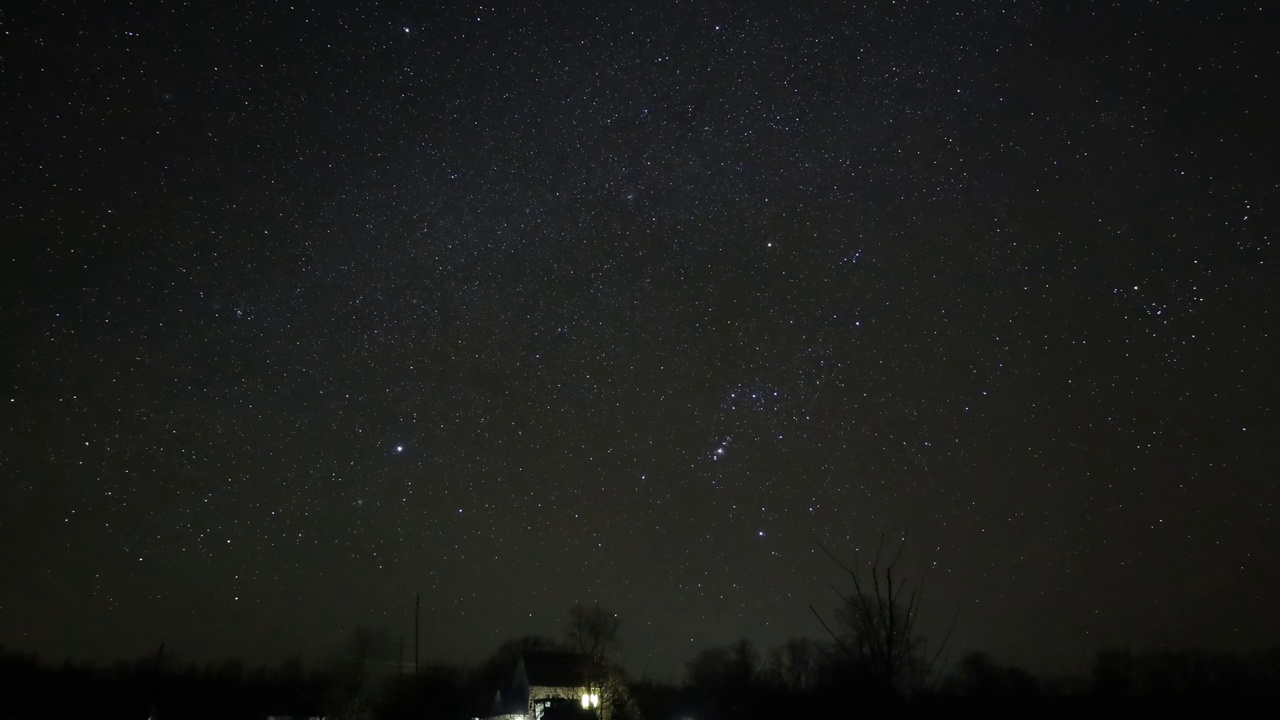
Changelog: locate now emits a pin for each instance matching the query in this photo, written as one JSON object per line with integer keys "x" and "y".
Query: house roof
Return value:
{"x": 555, "y": 669}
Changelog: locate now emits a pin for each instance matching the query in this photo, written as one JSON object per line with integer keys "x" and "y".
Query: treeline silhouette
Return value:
{"x": 807, "y": 679}
{"x": 145, "y": 688}
{"x": 801, "y": 678}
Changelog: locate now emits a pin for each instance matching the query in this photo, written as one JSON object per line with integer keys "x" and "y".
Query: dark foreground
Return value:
{"x": 1119, "y": 683}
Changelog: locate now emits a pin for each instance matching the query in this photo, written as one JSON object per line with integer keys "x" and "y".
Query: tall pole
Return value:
{"x": 417, "y": 610}
{"x": 155, "y": 684}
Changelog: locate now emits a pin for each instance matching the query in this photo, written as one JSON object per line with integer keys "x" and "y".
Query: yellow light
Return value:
{"x": 590, "y": 700}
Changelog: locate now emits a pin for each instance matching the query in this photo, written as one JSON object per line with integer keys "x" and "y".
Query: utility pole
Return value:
{"x": 417, "y": 610}
{"x": 155, "y": 684}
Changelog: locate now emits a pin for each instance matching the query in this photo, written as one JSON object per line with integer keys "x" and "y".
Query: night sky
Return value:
{"x": 307, "y": 309}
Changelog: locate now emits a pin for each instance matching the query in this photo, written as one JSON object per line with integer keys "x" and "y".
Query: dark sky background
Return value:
{"x": 307, "y": 309}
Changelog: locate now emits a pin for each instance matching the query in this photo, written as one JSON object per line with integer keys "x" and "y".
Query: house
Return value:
{"x": 553, "y": 683}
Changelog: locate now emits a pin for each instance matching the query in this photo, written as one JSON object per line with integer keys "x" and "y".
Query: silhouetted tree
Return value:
{"x": 495, "y": 671}
{"x": 354, "y": 682}
{"x": 979, "y": 679}
{"x": 878, "y": 626}
{"x": 592, "y": 630}
{"x": 731, "y": 668}
{"x": 794, "y": 665}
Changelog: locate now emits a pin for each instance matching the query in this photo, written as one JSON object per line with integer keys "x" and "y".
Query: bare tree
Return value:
{"x": 795, "y": 664}
{"x": 878, "y": 625}
{"x": 355, "y": 686}
{"x": 592, "y": 630}
{"x": 732, "y": 667}
{"x": 496, "y": 670}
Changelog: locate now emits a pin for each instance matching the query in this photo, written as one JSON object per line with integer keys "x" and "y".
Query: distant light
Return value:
{"x": 399, "y": 448}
